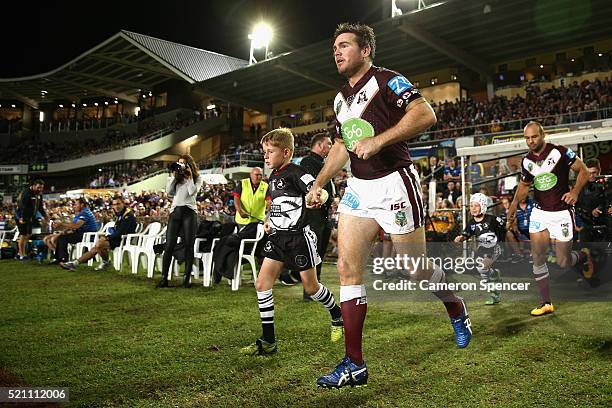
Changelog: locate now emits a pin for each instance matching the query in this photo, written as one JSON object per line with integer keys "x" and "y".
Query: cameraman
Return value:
{"x": 591, "y": 205}
{"x": 183, "y": 184}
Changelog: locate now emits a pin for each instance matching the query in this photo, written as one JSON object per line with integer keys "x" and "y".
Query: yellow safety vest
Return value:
{"x": 253, "y": 203}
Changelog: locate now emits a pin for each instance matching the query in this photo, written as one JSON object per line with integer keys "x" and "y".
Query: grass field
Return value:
{"x": 115, "y": 341}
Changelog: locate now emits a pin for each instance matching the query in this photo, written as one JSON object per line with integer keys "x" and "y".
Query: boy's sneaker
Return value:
{"x": 337, "y": 330}
{"x": 102, "y": 265}
{"x": 588, "y": 267}
{"x": 516, "y": 258}
{"x": 259, "y": 348}
{"x": 71, "y": 266}
{"x": 345, "y": 373}
{"x": 462, "y": 327}
{"x": 494, "y": 299}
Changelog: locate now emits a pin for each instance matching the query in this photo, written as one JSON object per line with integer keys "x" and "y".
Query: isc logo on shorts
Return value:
{"x": 398, "y": 206}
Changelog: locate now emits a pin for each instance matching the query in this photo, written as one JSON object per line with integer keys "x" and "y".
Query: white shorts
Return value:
{"x": 560, "y": 224}
{"x": 395, "y": 201}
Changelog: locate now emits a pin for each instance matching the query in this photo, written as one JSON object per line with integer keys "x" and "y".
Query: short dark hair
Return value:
{"x": 318, "y": 138}
{"x": 592, "y": 163}
{"x": 365, "y": 35}
{"x": 83, "y": 201}
{"x": 118, "y": 198}
{"x": 37, "y": 181}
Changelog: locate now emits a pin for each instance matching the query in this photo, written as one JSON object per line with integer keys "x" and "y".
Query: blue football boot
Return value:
{"x": 463, "y": 328}
{"x": 345, "y": 373}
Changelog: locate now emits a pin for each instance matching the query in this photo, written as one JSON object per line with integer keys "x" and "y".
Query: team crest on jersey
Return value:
{"x": 279, "y": 184}
{"x": 530, "y": 166}
{"x": 362, "y": 97}
{"x": 401, "y": 219}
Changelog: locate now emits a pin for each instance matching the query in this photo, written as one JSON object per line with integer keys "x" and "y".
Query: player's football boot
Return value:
{"x": 337, "y": 330}
{"x": 345, "y": 373}
{"x": 462, "y": 327}
{"x": 543, "y": 309}
{"x": 259, "y": 348}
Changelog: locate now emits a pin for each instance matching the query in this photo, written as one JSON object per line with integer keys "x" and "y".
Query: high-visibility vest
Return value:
{"x": 253, "y": 203}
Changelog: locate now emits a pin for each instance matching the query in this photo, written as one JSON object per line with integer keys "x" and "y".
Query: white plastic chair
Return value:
{"x": 250, "y": 257}
{"x": 146, "y": 254}
{"x": 89, "y": 241}
{"x": 4, "y": 236}
{"x": 133, "y": 243}
{"x": 205, "y": 259}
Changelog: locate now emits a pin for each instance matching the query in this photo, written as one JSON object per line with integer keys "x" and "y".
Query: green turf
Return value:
{"x": 115, "y": 341}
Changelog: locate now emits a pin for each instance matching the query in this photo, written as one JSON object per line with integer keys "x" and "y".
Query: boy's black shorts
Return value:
{"x": 297, "y": 250}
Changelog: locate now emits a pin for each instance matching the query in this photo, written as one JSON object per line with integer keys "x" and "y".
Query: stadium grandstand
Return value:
{"x": 111, "y": 122}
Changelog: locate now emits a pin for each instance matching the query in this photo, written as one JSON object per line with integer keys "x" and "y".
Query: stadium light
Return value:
{"x": 60, "y": 105}
{"x": 41, "y": 116}
{"x": 260, "y": 38}
{"x": 13, "y": 106}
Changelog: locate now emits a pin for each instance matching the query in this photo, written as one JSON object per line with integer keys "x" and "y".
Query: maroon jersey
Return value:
{"x": 376, "y": 103}
{"x": 549, "y": 173}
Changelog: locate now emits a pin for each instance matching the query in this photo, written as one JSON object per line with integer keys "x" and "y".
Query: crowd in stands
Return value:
{"x": 124, "y": 173}
{"x": 32, "y": 150}
{"x": 551, "y": 106}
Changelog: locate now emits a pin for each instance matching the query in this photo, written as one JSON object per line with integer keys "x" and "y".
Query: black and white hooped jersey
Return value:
{"x": 288, "y": 187}
{"x": 487, "y": 233}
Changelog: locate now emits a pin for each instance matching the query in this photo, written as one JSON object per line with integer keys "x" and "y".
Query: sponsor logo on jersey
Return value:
{"x": 307, "y": 179}
{"x": 545, "y": 181}
{"x": 399, "y": 84}
{"x": 570, "y": 154}
{"x": 350, "y": 200}
{"x": 354, "y": 130}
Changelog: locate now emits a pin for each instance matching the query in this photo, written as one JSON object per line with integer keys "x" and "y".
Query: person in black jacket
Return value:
{"x": 125, "y": 223}
{"x": 318, "y": 218}
{"x": 30, "y": 204}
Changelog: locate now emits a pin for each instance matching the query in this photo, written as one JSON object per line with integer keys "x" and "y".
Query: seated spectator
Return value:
{"x": 451, "y": 171}
{"x": 83, "y": 222}
{"x": 125, "y": 223}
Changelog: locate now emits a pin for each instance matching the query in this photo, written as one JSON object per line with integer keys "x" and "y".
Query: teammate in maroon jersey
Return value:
{"x": 377, "y": 111}
{"x": 547, "y": 167}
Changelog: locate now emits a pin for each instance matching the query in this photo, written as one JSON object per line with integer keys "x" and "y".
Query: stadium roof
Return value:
{"x": 475, "y": 34}
{"x": 121, "y": 67}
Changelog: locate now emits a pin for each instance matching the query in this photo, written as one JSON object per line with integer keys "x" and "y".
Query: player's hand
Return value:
{"x": 313, "y": 198}
{"x": 459, "y": 238}
{"x": 21, "y": 221}
{"x": 596, "y": 212}
{"x": 570, "y": 198}
{"x": 267, "y": 228}
{"x": 366, "y": 148}
{"x": 487, "y": 262}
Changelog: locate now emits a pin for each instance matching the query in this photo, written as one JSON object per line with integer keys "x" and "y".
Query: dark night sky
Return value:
{"x": 39, "y": 38}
